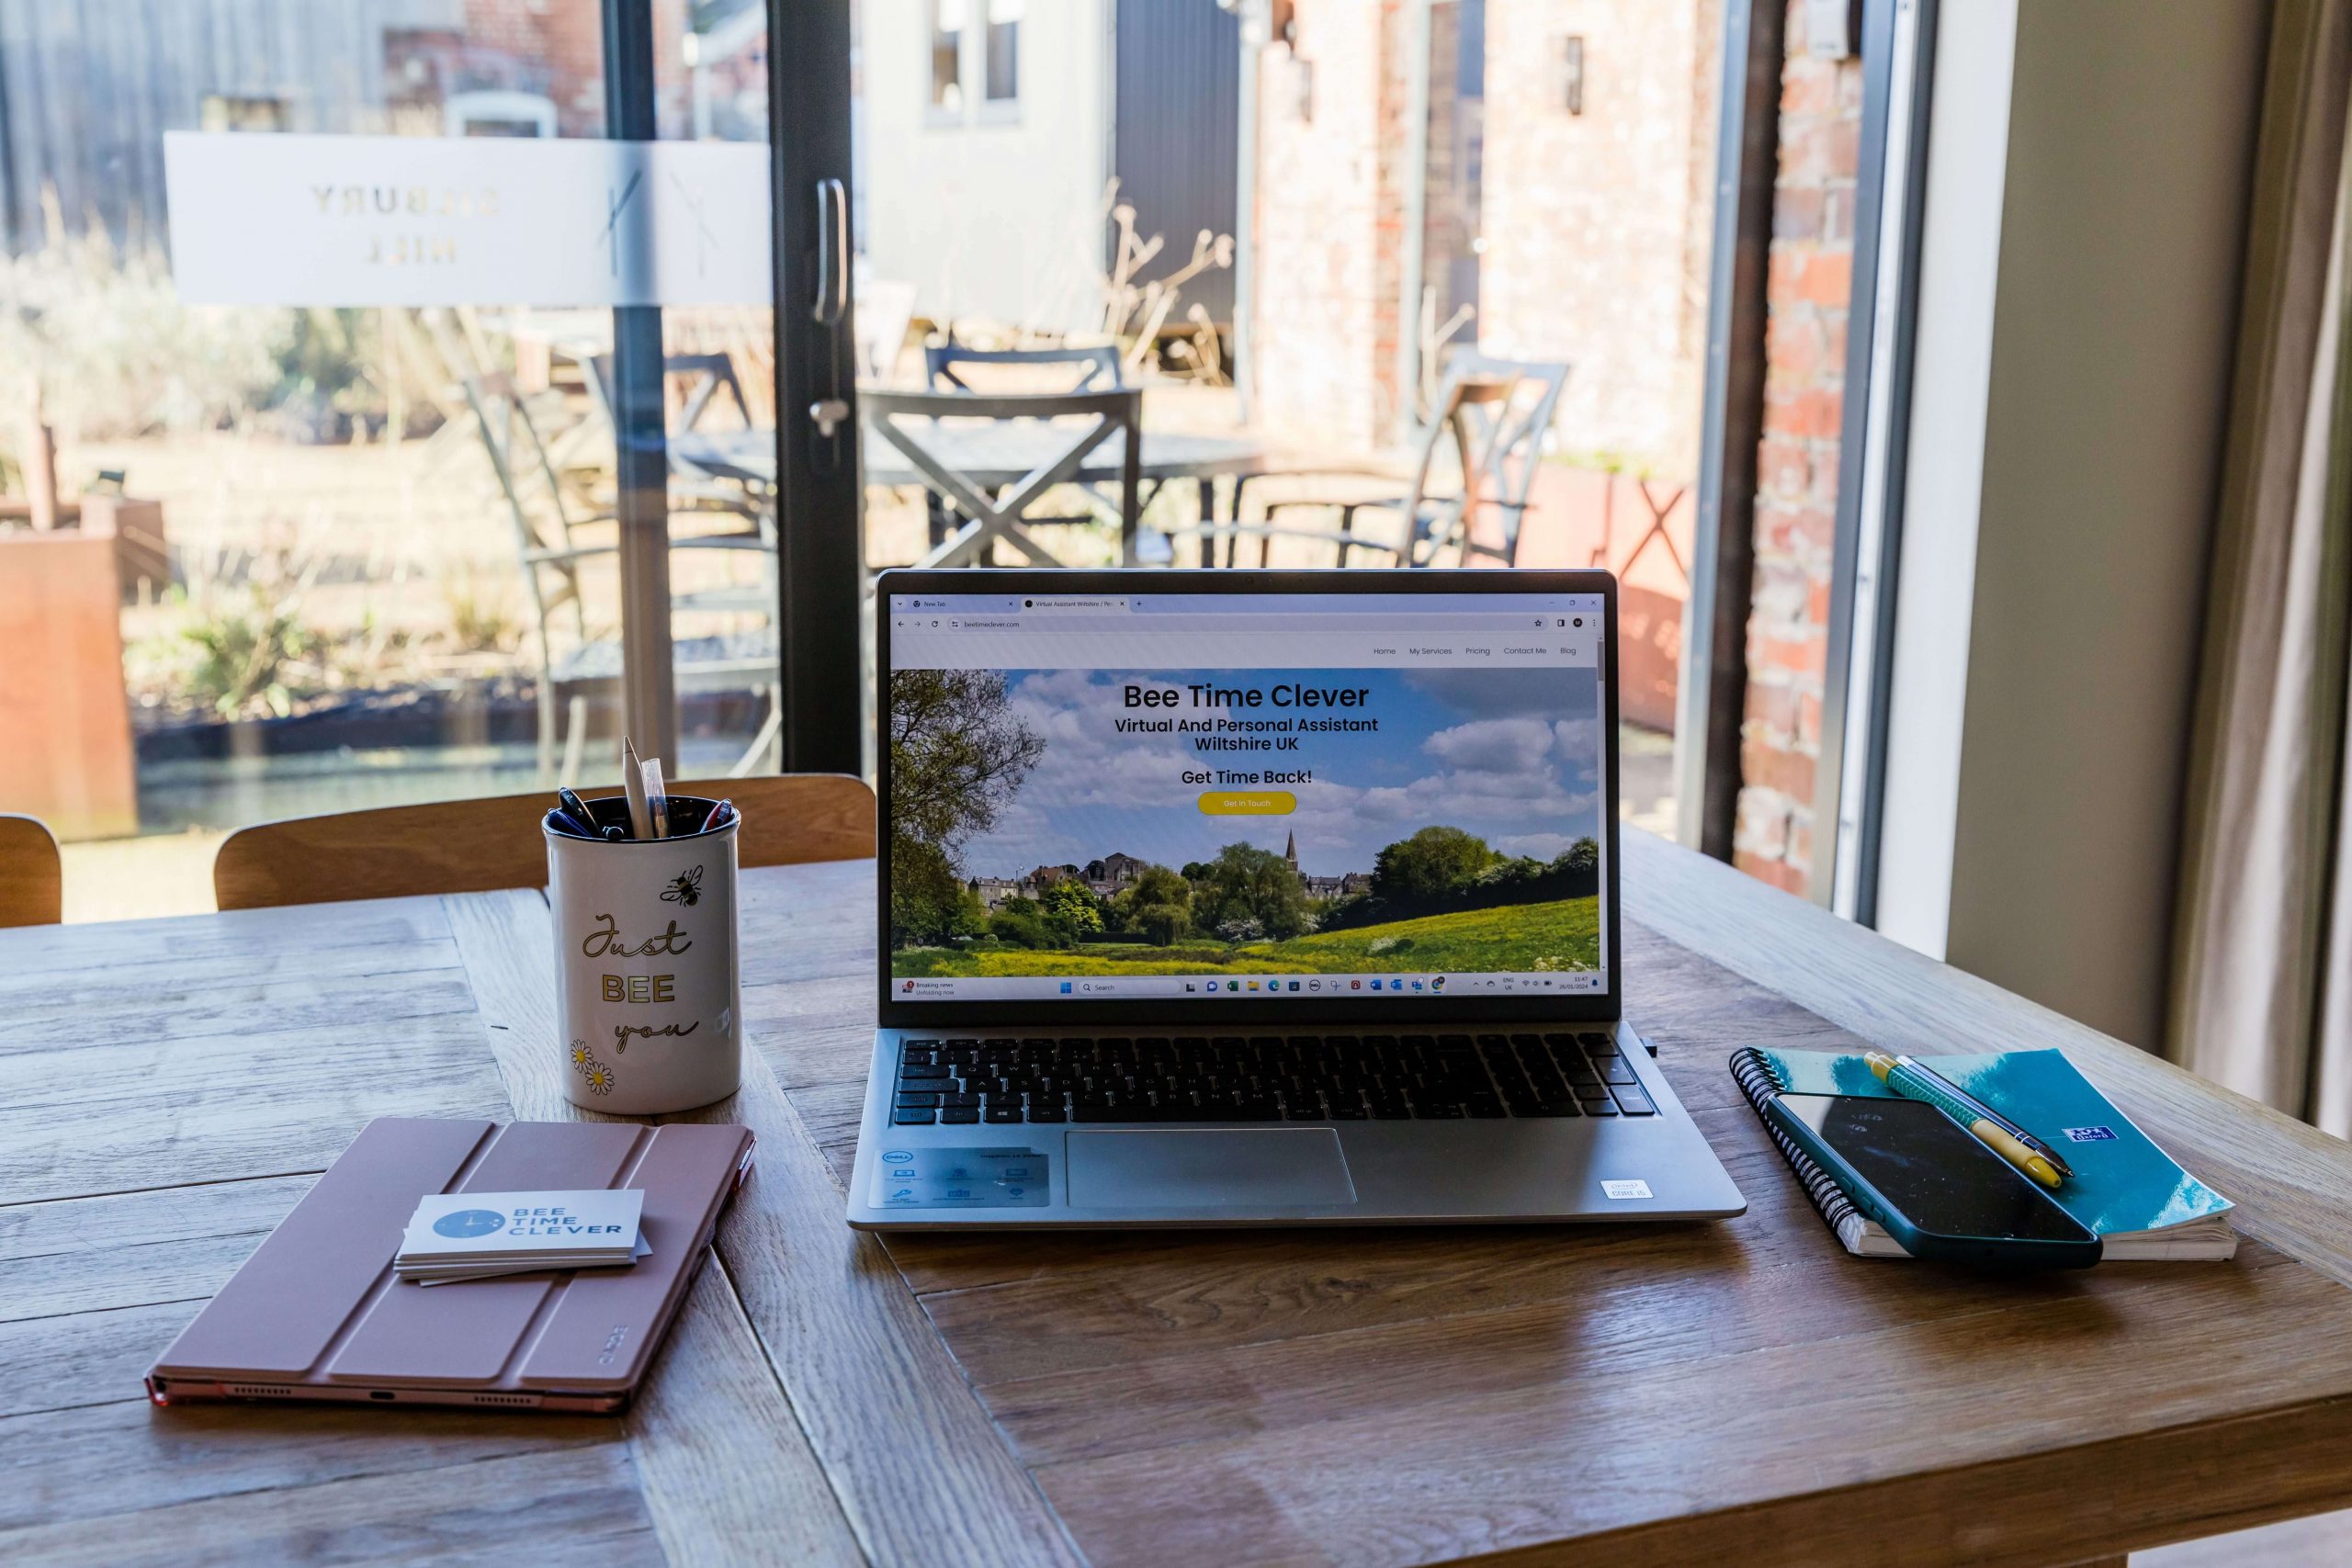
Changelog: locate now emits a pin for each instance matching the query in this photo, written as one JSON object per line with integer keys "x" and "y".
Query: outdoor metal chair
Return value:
{"x": 1493, "y": 415}
{"x": 554, "y": 537}
{"x": 995, "y": 457}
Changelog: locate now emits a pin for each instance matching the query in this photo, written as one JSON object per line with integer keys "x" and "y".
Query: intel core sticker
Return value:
{"x": 1624, "y": 1189}
{"x": 2091, "y": 1134}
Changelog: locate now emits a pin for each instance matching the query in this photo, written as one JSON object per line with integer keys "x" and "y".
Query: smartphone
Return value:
{"x": 1931, "y": 1184}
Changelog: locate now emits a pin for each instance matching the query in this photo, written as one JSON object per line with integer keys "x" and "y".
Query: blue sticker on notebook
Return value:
{"x": 2091, "y": 1134}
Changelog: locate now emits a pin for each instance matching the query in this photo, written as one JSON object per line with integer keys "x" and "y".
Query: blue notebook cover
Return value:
{"x": 2123, "y": 1184}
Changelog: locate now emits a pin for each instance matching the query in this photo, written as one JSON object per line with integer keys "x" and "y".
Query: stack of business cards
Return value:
{"x": 476, "y": 1235}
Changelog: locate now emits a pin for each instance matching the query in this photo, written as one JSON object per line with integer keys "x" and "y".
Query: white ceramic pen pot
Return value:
{"x": 649, "y": 988}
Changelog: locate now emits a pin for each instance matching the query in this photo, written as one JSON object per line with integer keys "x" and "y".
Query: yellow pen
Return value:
{"x": 1914, "y": 1081}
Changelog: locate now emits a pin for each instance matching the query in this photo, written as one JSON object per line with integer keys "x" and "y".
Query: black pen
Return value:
{"x": 577, "y": 809}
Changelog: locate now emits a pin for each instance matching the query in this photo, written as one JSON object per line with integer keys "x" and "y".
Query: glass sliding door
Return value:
{"x": 391, "y": 410}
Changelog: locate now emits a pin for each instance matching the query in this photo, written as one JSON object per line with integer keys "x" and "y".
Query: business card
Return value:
{"x": 459, "y": 1225}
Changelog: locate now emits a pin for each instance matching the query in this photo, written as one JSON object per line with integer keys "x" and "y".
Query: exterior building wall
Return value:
{"x": 1810, "y": 278}
{"x": 1595, "y": 226}
{"x": 991, "y": 211}
{"x": 1328, "y": 230}
{"x": 1597, "y": 223}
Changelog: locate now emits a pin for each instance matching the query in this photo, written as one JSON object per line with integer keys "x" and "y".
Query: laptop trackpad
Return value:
{"x": 1236, "y": 1168}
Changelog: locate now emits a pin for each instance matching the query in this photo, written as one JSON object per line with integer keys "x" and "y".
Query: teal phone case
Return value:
{"x": 1984, "y": 1252}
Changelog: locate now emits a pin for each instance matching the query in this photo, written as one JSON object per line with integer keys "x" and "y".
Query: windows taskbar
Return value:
{"x": 1304, "y": 988}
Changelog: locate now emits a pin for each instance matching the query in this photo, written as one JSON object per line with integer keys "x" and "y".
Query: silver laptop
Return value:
{"x": 1230, "y": 898}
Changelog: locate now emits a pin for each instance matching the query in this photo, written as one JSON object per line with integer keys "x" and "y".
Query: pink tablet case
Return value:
{"x": 316, "y": 1313}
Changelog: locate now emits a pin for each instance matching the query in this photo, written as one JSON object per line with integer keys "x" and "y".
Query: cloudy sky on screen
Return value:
{"x": 1511, "y": 755}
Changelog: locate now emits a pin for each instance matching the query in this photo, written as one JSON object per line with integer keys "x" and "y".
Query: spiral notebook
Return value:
{"x": 2141, "y": 1203}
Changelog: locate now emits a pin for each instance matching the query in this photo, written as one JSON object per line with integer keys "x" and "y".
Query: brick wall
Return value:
{"x": 1810, "y": 278}
{"x": 1597, "y": 224}
{"x": 1328, "y": 225}
{"x": 568, "y": 37}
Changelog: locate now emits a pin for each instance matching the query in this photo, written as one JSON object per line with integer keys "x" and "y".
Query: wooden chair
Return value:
{"x": 479, "y": 846}
{"x": 32, "y": 880}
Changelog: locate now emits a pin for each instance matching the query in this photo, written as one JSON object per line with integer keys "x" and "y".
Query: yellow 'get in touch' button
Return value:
{"x": 1249, "y": 803}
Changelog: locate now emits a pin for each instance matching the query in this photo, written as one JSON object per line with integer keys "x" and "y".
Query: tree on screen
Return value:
{"x": 1245, "y": 884}
{"x": 1433, "y": 861}
{"x": 959, "y": 753}
{"x": 1158, "y": 907}
{"x": 957, "y": 756}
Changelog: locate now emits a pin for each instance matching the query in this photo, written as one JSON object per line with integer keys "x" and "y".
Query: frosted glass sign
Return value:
{"x": 272, "y": 220}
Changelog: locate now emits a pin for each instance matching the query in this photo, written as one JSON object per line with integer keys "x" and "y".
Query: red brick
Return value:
{"x": 1806, "y": 654}
{"x": 1792, "y": 346}
{"x": 1777, "y": 595}
{"x": 1798, "y": 213}
{"x": 1808, "y": 727}
{"x": 1794, "y": 531}
{"x": 1843, "y": 148}
{"x": 1806, "y": 411}
{"x": 1780, "y": 873}
{"x": 1782, "y": 466}
{"x": 1810, "y": 275}
{"x": 1808, "y": 86}
{"x": 1772, "y": 708}
{"x": 1777, "y": 768}
{"x": 1833, "y": 336}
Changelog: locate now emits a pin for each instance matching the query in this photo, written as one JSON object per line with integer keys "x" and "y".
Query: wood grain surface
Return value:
{"x": 32, "y": 878}
{"x": 1604, "y": 1394}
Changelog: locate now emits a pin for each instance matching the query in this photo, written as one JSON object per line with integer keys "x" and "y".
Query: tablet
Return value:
{"x": 316, "y": 1315}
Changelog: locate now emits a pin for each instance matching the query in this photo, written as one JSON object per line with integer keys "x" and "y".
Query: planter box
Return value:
{"x": 64, "y": 722}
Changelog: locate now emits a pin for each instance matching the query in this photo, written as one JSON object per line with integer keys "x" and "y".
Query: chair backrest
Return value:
{"x": 706, "y": 375}
{"x": 479, "y": 846}
{"x": 32, "y": 879}
{"x": 1506, "y": 408}
{"x": 946, "y": 439}
{"x": 1494, "y": 413}
{"x": 1099, "y": 370}
{"x": 520, "y": 460}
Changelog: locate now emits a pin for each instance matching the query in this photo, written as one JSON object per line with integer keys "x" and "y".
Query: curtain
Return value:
{"x": 2262, "y": 975}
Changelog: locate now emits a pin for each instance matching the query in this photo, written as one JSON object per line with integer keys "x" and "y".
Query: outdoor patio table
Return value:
{"x": 1647, "y": 1394}
{"x": 997, "y": 454}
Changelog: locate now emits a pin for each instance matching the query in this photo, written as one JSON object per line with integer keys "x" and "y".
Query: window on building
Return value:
{"x": 947, "y": 56}
{"x": 1003, "y": 40}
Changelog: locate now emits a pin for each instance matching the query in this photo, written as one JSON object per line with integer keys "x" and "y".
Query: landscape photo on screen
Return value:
{"x": 1078, "y": 822}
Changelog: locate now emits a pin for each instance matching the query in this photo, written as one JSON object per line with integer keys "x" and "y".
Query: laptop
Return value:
{"x": 1255, "y": 899}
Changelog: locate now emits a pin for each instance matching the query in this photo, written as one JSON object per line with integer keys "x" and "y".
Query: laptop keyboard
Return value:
{"x": 1263, "y": 1078}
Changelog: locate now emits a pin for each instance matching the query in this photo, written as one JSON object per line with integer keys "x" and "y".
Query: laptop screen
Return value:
{"x": 1299, "y": 798}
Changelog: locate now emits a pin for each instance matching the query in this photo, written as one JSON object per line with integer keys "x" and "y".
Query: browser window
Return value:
{"x": 1365, "y": 795}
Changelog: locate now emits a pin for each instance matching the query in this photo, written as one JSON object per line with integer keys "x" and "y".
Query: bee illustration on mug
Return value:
{"x": 684, "y": 889}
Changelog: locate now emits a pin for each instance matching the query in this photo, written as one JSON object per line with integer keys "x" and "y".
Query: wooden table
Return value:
{"x": 1623, "y": 1394}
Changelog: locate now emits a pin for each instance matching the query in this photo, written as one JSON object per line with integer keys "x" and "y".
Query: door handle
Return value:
{"x": 832, "y": 252}
{"x": 828, "y": 414}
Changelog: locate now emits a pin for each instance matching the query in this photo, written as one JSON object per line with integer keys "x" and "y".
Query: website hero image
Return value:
{"x": 1261, "y": 831}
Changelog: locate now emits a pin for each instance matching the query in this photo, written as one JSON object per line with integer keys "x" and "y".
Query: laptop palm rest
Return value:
{"x": 1247, "y": 1167}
